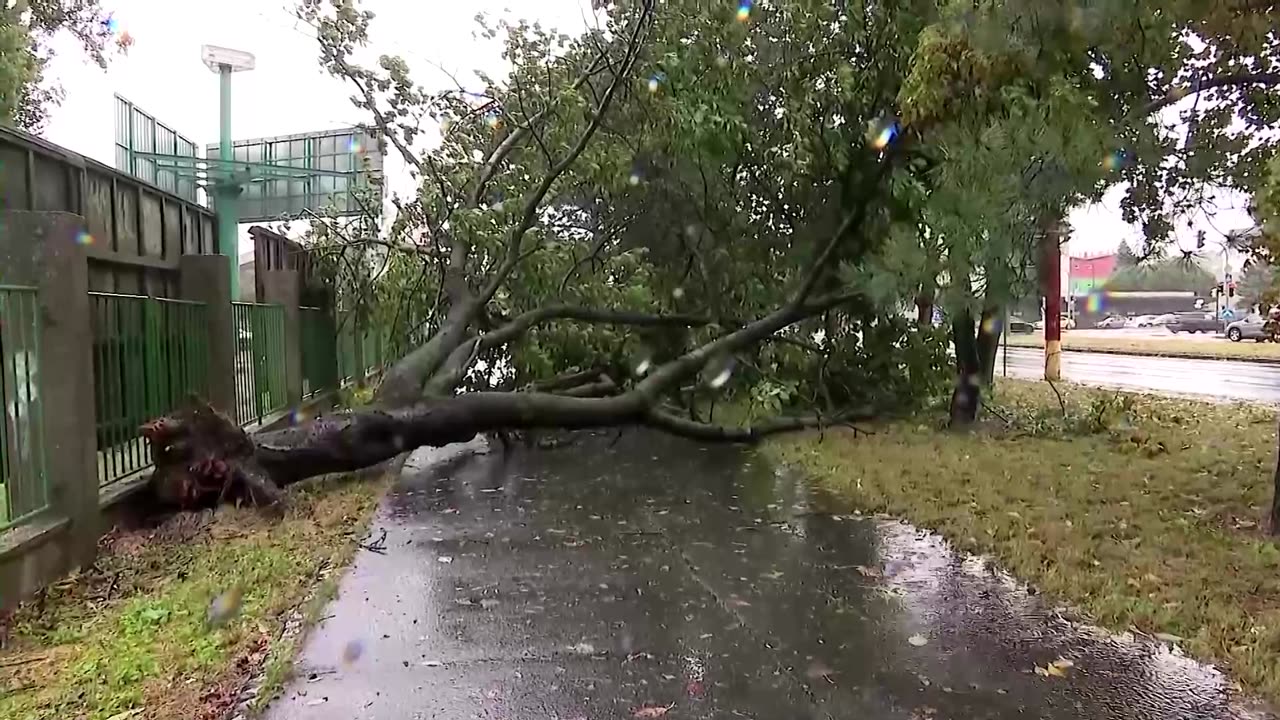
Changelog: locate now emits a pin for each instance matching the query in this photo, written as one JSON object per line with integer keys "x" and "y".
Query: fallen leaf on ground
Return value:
{"x": 918, "y": 640}
{"x": 1057, "y": 668}
{"x": 652, "y": 711}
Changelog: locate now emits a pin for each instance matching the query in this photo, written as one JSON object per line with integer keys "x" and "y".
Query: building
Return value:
{"x": 1088, "y": 273}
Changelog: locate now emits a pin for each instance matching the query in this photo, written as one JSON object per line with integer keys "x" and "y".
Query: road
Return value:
{"x": 1223, "y": 379}
{"x": 654, "y": 578}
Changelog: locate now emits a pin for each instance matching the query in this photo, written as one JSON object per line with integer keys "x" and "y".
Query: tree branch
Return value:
{"x": 534, "y": 202}
{"x": 1199, "y": 86}
{"x": 695, "y": 430}
{"x": 526, "y": 321}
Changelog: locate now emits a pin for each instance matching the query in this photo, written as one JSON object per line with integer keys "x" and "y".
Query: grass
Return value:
{"x": 1218, "y": 349}
{"x": 1143, "y": 513}
{"x": 134, "y": 633}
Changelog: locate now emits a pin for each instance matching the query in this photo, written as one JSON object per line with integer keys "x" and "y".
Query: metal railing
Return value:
{"x": 150, "y": 355}
{"x": 24, "y": 487}
{"x": 319, "y": 351}
{"x": 372, "y": 351}
{"x": 259, "y": 363}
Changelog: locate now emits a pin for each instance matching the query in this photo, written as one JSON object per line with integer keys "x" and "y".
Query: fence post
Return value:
{"x": 281, "y": 287}
{"x": 206, "y": 279}
{"x": 46, "y": 250}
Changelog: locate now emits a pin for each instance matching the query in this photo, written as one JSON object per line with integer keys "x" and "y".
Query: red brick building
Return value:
{"x": 1088, "y": 273}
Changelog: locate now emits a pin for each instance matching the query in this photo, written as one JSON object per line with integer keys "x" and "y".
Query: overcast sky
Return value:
{"x": 287, "y": 93}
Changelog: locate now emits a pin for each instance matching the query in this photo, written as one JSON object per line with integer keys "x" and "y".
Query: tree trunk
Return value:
{"x": 989, "y": 342}
{"x": 1275, "y": 495}
{"x": 967, "y": 393}
{"x": 924, "y": 307}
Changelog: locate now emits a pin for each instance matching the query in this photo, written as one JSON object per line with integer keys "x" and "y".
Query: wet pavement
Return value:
{"x": 1221, "y": 379}
{"x": 654, "y": 578}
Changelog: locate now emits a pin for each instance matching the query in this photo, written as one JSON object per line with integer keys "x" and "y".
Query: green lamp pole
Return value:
{"x": 226, "y": 186}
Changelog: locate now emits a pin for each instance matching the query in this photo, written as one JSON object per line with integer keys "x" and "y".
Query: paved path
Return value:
{"x": 616, "y": 581}
{"x": 1224, "y": 379}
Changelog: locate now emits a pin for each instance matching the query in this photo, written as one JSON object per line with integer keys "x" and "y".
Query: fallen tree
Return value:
{"x": 550, "y": 288}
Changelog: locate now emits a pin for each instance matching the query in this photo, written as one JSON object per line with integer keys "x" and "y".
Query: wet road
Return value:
{"x": 656, "y": 578}
{"x": 1227, "y": 379}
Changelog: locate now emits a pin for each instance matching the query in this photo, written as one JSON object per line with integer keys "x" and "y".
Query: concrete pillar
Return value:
{"x": 282, "y": 287}
{"x": 43, "y": 249}
{"x": 205, "y": 279}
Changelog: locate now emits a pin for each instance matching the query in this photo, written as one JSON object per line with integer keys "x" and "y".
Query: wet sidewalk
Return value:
{"x": 654, "y": 578}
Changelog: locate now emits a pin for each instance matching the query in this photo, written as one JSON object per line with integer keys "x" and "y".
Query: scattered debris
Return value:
{"x": 918, "y": 640}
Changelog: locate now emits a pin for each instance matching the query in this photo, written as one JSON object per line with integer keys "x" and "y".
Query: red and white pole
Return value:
{"x": 1052, "y": 264}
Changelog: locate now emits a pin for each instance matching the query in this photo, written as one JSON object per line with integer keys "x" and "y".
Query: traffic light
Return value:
{"x": 1231, "y": 290}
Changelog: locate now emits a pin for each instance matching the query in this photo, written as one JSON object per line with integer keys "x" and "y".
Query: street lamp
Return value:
{"x": 226, "y": 191}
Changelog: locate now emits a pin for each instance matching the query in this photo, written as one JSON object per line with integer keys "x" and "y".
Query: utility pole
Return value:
{"x": 1051, "y": 262}
{"x": 226, "y": 187}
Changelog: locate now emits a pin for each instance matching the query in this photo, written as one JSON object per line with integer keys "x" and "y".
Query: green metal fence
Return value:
{"x": 373, "y": 351}
{"x": 24, "y": 488}
{"x": 150, "y": 355}
{"x": 319, "y": 351}
{"x": 260, "y": 372}
{"x": 347, "y": 371}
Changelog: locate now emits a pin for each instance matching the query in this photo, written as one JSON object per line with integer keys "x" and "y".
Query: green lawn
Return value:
{"x": 1216, "y": 349}
{"x": 136, "y": 632}
{"x": 1143, "y": 512}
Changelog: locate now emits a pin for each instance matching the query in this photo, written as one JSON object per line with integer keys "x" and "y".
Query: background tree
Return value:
{"x": 1162, "y": 275}
{"x": 26, "y": 27}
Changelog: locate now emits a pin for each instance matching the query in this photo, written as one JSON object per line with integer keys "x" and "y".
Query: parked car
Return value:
{"x": 1142, "y": 321}
{"x": 1193, "y": 322}
{"x": 1113, "y": 321}
{"x": 1250, "y": 328}
{"x": 1162, "y": 320}
{"x": 1018, "y": 326}
{"x": 1066, "y": 323}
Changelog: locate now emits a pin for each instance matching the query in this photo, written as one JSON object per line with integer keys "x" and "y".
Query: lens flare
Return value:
{"x": 84, "y": 238}
{"x": 493, "y": 119}
{"x": 1095, "y": 303}
{"x": 1116, "y": 160}
{"x": 655, "y": 82}
{"x": 882, "y": 132}
{"x": 992, "y": 325}
{"x": 744, "y": 10}
{"x": 354, "y": 146}
{"x": 634, "y": 178}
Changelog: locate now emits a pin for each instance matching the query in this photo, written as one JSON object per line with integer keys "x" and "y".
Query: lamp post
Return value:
{"x": 226, "y": 188}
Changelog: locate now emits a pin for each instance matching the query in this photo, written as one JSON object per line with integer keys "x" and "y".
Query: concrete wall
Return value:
{"x": 41, "y": 250}
{"x": 46, "y": 250}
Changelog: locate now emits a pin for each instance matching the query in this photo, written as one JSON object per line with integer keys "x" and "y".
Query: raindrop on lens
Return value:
{"x": 225, "y": 606}
{"x": 718, "y": 372}
{"x": 352, "y": 652}
{"x": 643, "y": 366}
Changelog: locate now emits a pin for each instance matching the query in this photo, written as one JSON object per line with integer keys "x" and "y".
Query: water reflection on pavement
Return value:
{"x": 651, "y": 577}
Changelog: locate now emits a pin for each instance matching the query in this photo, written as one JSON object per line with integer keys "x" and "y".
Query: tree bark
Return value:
{"x": 968, "y": 390}
{"x": 1275, "y": 494}
{"x": 924, "y": 306}
{"x": 988, "y": 342}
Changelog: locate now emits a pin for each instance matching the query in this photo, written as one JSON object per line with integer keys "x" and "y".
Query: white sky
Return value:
{"x": 288, "y": 93}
